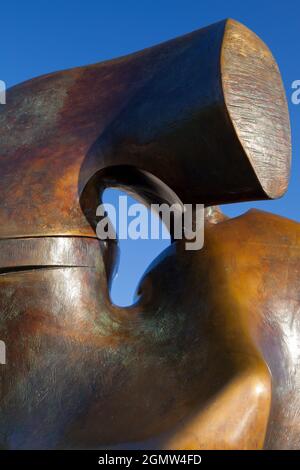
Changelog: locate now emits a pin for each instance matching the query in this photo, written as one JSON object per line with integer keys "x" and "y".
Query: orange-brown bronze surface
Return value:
{"x": 209, "y": 356}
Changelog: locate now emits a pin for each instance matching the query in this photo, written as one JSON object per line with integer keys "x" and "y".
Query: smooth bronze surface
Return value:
{"x": 209, "y": 356}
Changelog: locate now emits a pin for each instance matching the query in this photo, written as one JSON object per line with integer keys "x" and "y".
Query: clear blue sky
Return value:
{"x": 40, "y": 36}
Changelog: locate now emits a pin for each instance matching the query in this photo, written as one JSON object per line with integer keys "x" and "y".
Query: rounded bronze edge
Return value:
{"x": 269, "y": 153}
{"x": 58, "y": 251}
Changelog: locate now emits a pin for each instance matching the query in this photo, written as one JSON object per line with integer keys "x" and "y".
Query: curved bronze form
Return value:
{"x": 209, "y": 357}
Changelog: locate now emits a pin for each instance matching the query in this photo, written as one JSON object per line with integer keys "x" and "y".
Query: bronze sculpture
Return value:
{"x": 208, "y": 357}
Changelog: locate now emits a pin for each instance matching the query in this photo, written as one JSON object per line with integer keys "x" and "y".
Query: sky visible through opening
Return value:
{"x": 134, "y": 255}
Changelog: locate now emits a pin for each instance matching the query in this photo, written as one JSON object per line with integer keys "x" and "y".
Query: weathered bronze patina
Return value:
{"x": 209, "y": 356}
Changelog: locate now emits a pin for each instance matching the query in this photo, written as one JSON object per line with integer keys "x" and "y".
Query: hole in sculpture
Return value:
{"x": 137, "y": 249}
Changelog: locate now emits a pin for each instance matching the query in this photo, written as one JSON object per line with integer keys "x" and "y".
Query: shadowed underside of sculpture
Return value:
{"x": 208, "y": 357}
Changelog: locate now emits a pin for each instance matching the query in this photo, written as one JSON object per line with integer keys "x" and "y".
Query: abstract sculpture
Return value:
{"x": 209, "y": 356}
